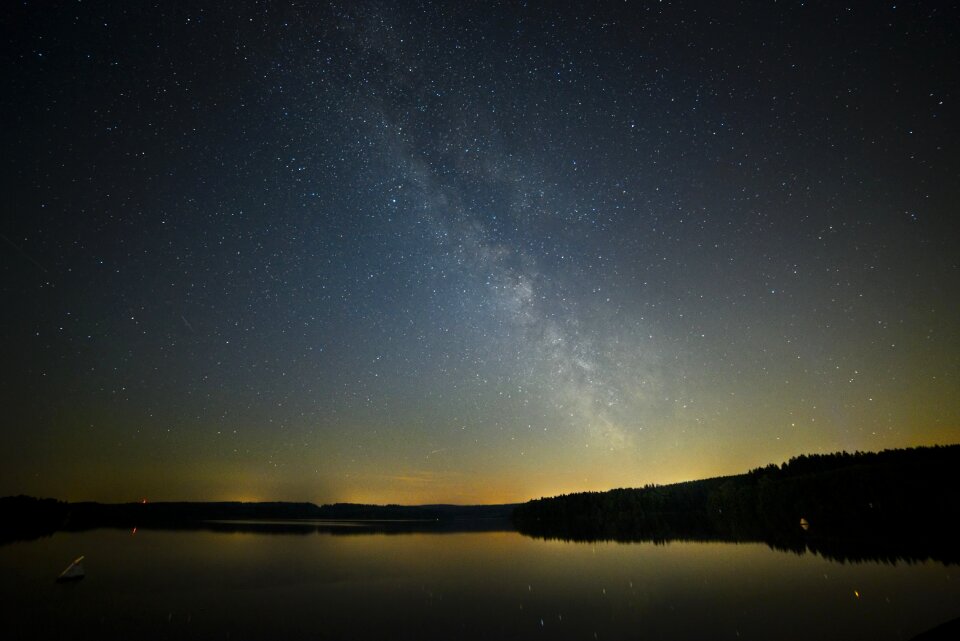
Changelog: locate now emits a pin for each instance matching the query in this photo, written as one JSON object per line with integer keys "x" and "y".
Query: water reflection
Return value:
{"x": 844, "y": 550}
{"x": 215, "y": 583}
{"x": 355, "y": 527}
{"x": 895, "y": 544}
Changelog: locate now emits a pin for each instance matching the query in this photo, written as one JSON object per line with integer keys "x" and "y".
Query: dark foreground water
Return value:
{"x": 469, "y": 585}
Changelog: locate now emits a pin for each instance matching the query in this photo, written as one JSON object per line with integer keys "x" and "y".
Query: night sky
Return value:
{"x": 469, "y": 252}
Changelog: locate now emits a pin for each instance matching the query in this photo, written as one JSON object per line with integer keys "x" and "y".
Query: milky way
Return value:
{"x": 470, "y": 252}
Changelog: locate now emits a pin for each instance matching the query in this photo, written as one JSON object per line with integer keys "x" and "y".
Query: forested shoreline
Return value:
{"x": 895, "y": 503}
{"x": 889, "y": 505}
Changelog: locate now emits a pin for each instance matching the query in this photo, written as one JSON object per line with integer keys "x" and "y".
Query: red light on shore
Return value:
{"x": 143, "y": 501}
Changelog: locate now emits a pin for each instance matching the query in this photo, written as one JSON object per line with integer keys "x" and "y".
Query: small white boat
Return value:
{"x": 73, "y": 572}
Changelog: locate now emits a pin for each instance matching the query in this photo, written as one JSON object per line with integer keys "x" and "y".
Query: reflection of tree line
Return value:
{"x": 891, "y": 505}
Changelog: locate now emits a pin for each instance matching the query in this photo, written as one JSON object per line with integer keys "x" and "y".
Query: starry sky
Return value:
{"x": 470, "y": 252}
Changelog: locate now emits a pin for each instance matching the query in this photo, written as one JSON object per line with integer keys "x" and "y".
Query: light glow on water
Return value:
{"x": 483, "y": 585}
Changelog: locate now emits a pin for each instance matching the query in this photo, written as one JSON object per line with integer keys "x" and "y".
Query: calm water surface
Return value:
{"x": 477, "y": 585}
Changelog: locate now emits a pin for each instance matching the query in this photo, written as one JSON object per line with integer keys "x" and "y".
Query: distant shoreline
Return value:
{"x": 28, "y": 517}
{"x": 884, "y": 505}
{"x": 894, "y": 504}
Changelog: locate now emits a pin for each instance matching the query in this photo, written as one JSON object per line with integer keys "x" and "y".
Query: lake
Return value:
{"x": 349, "y": 583}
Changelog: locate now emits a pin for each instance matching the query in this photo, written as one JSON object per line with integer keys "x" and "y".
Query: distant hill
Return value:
{"x": 28, "y": 517}
{"x": 906, "y": 498}
{"x": 894, "y": 504}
